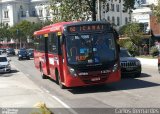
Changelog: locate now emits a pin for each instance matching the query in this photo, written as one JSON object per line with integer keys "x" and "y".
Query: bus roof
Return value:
{"x": 58, "y": 26}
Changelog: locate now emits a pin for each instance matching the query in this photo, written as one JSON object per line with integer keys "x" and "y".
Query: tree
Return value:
{"x": 134, "y": 32}
{"x": 25, "y": 29}
{"x": 4, "y": 32}
{"x": 156, "y": 11}
{"x": 69, "y": 9}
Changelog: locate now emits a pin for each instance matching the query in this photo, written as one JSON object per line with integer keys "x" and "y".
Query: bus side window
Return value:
{"x": 42, "y": 43}
{"x": 36, "y": 42}
{"x": 53, "y": 43}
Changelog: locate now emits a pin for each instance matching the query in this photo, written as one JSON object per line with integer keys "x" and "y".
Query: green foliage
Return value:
{"x": 80, "y": 9}
{"x": 126, "y": 43}
{"x": 4, "y": 32}
{"x": 128, "y": 5}
{"x": 69, "y": 10}
{"x": 154, "y": 51}
{"x": 156, "y": 11}
{"x": 134, "y": 32}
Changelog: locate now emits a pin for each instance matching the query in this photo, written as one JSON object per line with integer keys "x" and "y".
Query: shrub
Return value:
{"x": 154, "y": 51}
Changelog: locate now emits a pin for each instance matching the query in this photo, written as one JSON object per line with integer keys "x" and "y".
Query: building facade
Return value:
{"x": 112, "y": 11}
{"x": 143, "y": 13}
{"x": 13, "y": 11}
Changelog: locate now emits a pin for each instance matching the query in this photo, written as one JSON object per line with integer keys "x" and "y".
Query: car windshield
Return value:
{"x": 90, "y": 48}
{"x": 30, "y": 51}
{"x": 3, "y": 59}
{"x": 22, "y": 52}
{"x": 124, "y": 53}
{"x": 10, "y": 49}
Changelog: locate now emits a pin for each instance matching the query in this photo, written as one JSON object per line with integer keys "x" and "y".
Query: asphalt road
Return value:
{"x": 142, "y": 92}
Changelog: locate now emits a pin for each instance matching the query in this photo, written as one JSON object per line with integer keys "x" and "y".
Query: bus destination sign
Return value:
{"x": 87, "y": 28}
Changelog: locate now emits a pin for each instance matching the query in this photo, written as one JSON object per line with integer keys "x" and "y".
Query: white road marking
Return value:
{"x": 131, "y": 93}
{"x": 65, "y": 105}
{"x": 60, "y": 101}
{"x": 45, "y": 89}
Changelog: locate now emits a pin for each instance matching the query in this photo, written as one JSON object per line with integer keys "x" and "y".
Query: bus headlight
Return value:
{"x": 115, "y": 68}
{"x": 72, "y": 71}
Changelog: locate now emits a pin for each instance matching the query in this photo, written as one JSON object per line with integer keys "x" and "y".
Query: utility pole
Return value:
{"x": 19, "y": 39}
{"x": 98, "y": 12}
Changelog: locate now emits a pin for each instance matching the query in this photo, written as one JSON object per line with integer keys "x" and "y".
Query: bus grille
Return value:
{"x": 128, "y": 64}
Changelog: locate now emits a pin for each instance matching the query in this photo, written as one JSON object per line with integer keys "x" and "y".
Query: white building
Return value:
{"x": 142, "y": 13}
{"x": 149, "y": 2}
{"x": 112, "y": 11}
{"x": 13, "y": 11}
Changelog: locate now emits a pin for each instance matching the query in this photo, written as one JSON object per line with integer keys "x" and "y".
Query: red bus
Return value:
{"x": 78, "y": 53}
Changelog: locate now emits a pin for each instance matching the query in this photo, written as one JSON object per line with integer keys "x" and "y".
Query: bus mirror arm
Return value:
{"x": 116, "y": 34}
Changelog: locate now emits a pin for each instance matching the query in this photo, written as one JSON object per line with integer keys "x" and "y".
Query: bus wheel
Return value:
{"x": 59, "y": 81}
{"x": 42, "y": 74}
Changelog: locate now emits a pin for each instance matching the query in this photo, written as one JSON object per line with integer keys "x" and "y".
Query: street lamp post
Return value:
{"x": 20, "y": 43}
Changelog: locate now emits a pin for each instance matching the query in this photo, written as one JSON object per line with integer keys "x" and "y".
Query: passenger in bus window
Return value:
{"x": 102, "y": 49}
{"x": 72, "y": 51}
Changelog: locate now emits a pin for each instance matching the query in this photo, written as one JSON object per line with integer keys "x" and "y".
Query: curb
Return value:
{"x": 148, "y": 62}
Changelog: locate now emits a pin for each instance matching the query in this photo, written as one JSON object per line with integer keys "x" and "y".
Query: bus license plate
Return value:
{"x": 95, "y": 79}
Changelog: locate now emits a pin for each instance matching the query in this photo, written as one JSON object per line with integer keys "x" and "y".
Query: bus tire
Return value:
{"x": 42, "y": 74}
{"x": 58, "y": 80}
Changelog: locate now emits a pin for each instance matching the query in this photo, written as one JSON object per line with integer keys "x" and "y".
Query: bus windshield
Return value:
{"x": 90, "y": 48}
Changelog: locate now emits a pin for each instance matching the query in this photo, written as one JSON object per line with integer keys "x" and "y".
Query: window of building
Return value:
{"x": 107, "y": 7}
{"x": 33, "y": 13}
{"x": 126, "y": 20}
{"x": 103, "y": 5}
{"x": 117, "y": 7}
{"x": 108, "y": 18}
{"x": 112, "y": 7}
{"x": 118, "y": 21}
{"x": 21, "y": 13}
{"x": 47, "y": 12}
{"x": 113, "y": 20}
{"x": 7, "y": 24}
{"x": 40, "y": 12}
{"x": 6, "y": 14}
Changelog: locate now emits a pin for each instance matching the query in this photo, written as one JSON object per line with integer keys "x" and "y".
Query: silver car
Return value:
{"x": 4, "y": 64}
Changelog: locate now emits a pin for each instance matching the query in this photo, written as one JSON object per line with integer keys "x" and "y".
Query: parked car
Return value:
{"x": 0, "y": 52}
{"x": 30, "y": 52}
{"x": 130, "y": 66}
{"x": 22, "y": 54}
{"x": 10, "y": 51}
{"x": 4, "y": 64}
{"x": 3, "y": 50}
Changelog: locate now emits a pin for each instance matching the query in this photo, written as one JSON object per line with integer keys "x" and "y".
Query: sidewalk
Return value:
{"x": 148, "y": 62}
{"x": 18, "y": 91}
